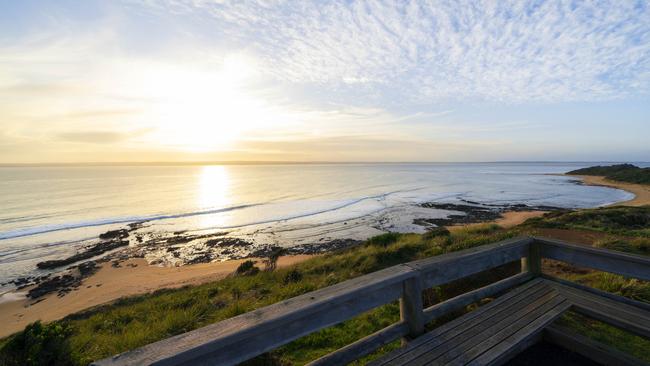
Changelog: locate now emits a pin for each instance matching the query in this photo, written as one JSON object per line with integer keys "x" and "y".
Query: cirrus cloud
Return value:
{"x": 432, "y": 51}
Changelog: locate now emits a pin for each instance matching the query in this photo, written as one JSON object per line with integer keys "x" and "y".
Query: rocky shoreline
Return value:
{"x": 161, "y": 249}
{"x": 181, "y": 248}
{"x": 473, "y": 212}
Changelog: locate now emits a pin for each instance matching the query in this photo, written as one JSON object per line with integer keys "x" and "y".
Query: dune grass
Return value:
{"x": 135, "y": 321}
{"x": 619, "y": 220}
{"x": 620, "y": 172}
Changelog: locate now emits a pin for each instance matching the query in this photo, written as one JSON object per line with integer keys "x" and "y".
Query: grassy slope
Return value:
{"x": 136, "y": 321}
{"x": 617, "y": 220}
{"x": 620, "y": 172}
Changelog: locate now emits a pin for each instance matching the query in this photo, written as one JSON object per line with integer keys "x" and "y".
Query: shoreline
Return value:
{"x": 641, "y": 192}
{"x": 135, "y": 276}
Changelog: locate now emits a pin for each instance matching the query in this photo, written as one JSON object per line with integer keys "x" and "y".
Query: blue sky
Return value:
{"x": 327, "y": 81}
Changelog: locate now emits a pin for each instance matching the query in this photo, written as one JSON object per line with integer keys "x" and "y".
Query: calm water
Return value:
{"x": 48, "y": 212}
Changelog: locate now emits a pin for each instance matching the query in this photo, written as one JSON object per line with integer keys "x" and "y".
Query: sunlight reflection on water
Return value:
{"x": 214, "y": 192}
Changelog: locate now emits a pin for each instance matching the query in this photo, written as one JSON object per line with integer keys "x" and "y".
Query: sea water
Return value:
{"x": 50, "y": 212}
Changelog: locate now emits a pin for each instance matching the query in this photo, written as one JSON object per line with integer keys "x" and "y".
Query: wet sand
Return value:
{"x": 514, "y": 218}
{"x": 509, "y": 219}
{"x": 134, "y": 277}
{"x": 642, "y": 192}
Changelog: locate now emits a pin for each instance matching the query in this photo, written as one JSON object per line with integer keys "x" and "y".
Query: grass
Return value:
{"x": 619, "y": 172}
{"x": 606, "y": 334}
{"x": 619, "y": 220}
{"x": 135, "y": 321}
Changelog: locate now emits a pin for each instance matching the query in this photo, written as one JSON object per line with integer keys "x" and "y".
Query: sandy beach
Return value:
{"x": 136, "y": 277}
{"x": 642, "y": 192}
{"x": 133, "y": 277}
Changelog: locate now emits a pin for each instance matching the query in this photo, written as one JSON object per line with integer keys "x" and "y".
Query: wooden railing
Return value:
{"x": 245, "y": 336}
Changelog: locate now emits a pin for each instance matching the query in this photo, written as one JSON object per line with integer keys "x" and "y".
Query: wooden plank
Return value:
{"x": 438, "y": 341}
{"x": 625, "y": 264}
{"x": 588, "y": 348}
{"x": 491, "y": 308}
{"x": 452, "y": 266}
{"x": 363, "y": 347}
{"x": 533, "y": 261}
{"x": 411, "y": 308}
{"x": 467, "y": 298}
{"x": 609, "y": 311}
{"x": 476, "y": 338}
{"x": 502, "y": 349}
{"x": 245, "y": 336}
{"x": 641, "y": 305}
{"x": 533, "y": 339}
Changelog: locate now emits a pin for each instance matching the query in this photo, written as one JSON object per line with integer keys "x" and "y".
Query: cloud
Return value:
{"x": 97, "y": 137}
{"x": 437, "y": 51}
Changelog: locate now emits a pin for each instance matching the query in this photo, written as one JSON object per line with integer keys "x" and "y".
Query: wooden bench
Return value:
{"x": 488, "y": 334}
{"x": 521, "y": 315}
{"x": 496, "y": 332}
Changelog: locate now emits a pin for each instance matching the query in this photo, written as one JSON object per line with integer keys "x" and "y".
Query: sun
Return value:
{"x": 207, "y": 110}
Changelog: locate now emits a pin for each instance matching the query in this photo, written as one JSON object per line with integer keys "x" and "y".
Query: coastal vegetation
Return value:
{"x": 621, "y": 220}
{"x": 620, "y": 172}
{"x": 135, "y": 321}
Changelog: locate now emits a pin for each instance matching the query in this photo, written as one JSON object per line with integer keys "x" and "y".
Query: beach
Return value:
{"x": 135, "y": 276}
{"x": 641, "y": 192}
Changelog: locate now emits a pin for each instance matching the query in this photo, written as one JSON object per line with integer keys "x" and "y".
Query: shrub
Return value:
{"x": 38, "y": 344}
{"x": 271, "y": 262}
{"x": 384, "y": 240}
{"x": 247, "y": 268}
{"x": 435, "y": 232}
{"x": 292, "y": 276}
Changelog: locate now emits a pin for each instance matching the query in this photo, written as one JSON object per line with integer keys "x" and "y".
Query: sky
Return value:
{"x": 218, "y": 80}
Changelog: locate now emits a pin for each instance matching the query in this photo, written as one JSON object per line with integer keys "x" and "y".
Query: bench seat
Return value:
{"x": 496, "y": 332}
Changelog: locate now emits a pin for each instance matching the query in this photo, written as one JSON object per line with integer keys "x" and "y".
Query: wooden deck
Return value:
{"x": 498, "y": 331}
{"x": 522, "y": 314}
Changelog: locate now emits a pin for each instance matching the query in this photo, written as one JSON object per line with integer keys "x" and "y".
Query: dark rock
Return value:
{"x": 54, "y": 284}
{"x": 87, "y": 268}
{"x": 95, "y": 250}
{"x": 62, "y": 284}
{"x": 474, "y": 212}
{"x": 114, "y": 234}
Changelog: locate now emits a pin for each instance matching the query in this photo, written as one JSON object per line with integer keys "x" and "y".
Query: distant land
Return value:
{"x": 620, "y": 172}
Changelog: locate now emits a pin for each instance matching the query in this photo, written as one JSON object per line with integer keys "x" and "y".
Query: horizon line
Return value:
{"x": 288, "y": 162}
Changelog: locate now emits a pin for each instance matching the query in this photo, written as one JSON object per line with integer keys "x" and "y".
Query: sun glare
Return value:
{"x": 213, "y": 193}
{"x": 207, "y": 110}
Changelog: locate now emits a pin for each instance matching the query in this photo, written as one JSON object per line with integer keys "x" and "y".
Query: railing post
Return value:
{"x": 411, "y": 307}
{"x": 533, "y": 262}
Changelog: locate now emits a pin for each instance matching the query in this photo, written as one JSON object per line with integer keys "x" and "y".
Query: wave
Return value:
{"x": 124, "y": 220}
{"x": 110, "y": 221}
{"x": 14, "y": 251}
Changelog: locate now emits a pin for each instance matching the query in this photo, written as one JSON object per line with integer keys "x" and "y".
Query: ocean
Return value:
{"x": 51, "y": 212}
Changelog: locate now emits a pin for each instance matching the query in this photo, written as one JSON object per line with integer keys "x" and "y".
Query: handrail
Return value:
{"x": 624, "y": 264}
{"x": 243, "y": 337}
